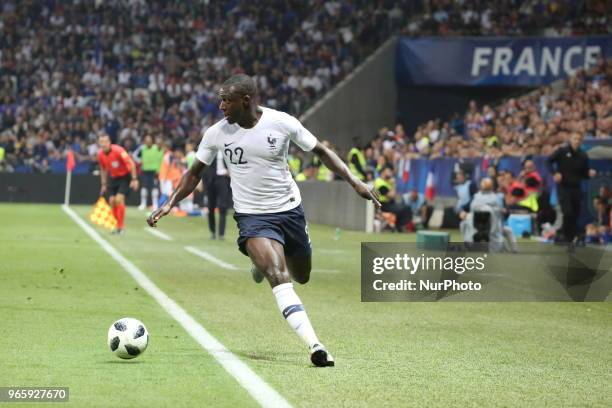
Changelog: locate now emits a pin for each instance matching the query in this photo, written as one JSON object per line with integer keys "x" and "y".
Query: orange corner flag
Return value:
{"x": 70, "y": 161}
{"x": 102, "y": 214}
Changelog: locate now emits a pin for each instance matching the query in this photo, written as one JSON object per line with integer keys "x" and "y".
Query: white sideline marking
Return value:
{"x": 210, "y": 258}
{"x": 265, "y": 395}
{"x": 158, "y": 234}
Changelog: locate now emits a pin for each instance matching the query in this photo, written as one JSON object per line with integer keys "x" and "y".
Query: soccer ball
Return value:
{"x": 128, "y": 338}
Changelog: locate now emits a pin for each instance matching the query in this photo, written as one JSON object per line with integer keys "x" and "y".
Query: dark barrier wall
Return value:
{"x": 334, "y": 203}
{"x": 49, "y": 188}
{"x": 411, "y": 175}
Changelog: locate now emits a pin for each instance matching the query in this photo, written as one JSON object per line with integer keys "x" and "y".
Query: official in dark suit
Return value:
{"x": 217, "y": 185}
{"x": 570, "y": 166}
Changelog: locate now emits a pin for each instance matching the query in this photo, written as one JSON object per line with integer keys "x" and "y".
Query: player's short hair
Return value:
{"x": 243, "y": 84}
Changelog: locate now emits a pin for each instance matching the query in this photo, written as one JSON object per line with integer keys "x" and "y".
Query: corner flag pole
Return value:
{"x": 70, "y": 164}
{"x": 67, "y": 191}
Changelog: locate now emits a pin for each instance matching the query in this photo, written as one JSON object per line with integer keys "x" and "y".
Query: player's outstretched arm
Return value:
{"x": 335, "y": 164}
{"x": 188, "y": 183}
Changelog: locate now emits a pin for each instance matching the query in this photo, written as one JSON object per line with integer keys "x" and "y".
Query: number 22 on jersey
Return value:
{"x": 235, "y": 156}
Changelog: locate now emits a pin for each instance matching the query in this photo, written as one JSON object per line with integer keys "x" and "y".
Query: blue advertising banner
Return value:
{"x": 532, "y": 61}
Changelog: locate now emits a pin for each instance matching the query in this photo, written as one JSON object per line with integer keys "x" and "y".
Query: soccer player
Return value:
{"x": 254, "y": 142}
{"x": 117, "y": 176}
{"x": 151, "y": 157}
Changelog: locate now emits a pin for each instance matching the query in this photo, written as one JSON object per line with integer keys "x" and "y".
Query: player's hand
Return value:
{"x": 102, "y": 190}
{"x": 368, "y": 193}
{"x": 157, "y": 214}
{"x": 134, "y": 184}
{"x": 592, "y": 173}
{"x": 557, "y": 177}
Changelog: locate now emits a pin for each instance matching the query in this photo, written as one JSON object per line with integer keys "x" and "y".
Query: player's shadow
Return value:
{"x": 265, "y": 357}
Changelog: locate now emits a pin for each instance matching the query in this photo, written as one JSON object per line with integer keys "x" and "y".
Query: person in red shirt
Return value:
{"x": 531, "y": 177}
{"x": 117, "y": 175}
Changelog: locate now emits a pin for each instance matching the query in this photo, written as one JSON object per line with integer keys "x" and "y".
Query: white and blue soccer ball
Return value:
{"x": 128, "y": 338}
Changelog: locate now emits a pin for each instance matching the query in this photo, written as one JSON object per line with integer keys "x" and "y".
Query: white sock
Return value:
{"x": 143, "y": 197}
{"x": 155, "y": 198}
{"x": 293, "y": 311}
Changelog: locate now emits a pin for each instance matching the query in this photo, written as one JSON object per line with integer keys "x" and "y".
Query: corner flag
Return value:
{"x": 102, "y": 214}
{"x": 70, "y": 165}
{"x": 70, "y": 161}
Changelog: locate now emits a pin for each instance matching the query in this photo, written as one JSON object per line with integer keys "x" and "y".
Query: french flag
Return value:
{"x": 485, "y": 163}
{"x": 430, "y": 191}
{"x": 405, "y": 170}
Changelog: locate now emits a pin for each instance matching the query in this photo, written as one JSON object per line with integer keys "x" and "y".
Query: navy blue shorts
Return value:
{"x": 287, "y": 227}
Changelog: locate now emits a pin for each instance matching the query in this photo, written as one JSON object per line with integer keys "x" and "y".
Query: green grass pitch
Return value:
{"x": 59, "y": 293}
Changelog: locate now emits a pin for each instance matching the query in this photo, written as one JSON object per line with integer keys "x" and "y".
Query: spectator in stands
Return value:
{"x": 530, "y": 177}
{"x": 484, "y": 221}
{"x": 385, "y": 187}
{"x": 527, "y": 187}
{"x": 419, "y": 207}
{"x": 599, "y": 231}
{"x": 308, "y": 174}
{"x": 357, "y": 162}
{"x": 465, "y": 189}
{"x": 536, "y": 195}
{"x": 370, "y": 156}
{"x": 323, "y": 173}
{"x": 295, "y": 160}
{"x": 605, "y": 192}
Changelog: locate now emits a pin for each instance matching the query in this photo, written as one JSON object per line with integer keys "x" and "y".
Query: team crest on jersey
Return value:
{"x": 271, "y": 142}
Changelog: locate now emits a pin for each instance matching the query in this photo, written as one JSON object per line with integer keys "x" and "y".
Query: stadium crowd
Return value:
{"x": 70, "y": 70}
{"x": 510, "y": 17}
{"x": 536, "y": 124}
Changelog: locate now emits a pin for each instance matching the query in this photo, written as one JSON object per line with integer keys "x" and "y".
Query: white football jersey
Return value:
{"x": 257, "y": 160}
